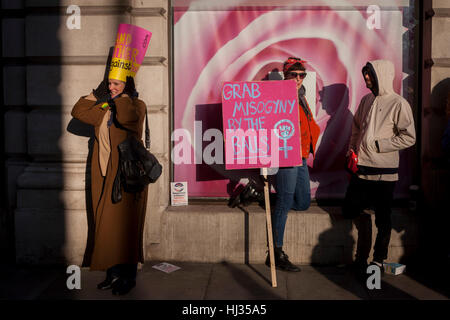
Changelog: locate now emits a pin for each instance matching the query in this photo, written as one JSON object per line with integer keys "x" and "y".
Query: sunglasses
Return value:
{"x": 295, "y": 75}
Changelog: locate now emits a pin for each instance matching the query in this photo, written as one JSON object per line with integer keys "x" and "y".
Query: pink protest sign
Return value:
{"x": 261, "y": 124}
{"x": 129, "y": 51}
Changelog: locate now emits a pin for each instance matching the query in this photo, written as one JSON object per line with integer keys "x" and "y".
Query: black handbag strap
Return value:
{"x": 147, "y": 131}
{"x": 118, "y": 125}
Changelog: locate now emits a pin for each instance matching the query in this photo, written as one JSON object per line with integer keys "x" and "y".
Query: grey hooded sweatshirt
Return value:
{"x": 382, "y": 125}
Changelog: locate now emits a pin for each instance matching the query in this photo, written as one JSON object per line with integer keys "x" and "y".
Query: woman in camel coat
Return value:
{"x": 118, "y": 227}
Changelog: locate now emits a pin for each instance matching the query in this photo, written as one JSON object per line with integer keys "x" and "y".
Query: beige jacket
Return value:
{"x": 386, "y": 118}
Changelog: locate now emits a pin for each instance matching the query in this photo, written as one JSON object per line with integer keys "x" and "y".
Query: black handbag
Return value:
{"x": 137, "y": 166}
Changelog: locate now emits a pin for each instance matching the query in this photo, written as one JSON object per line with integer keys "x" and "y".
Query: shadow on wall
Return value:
{"x": 329, "y": 161}
{"x": 78, "y": 128}
{"x": 436, "y": 173}
{"x": 336, "y": 245}
{"x": 6, "y": 241}
{"x": 433, "y": 201}
{"x": 39, "y": 221}
{"x": 329, "y": 171}
{"x": 47, "y": 202}
{"x": 81, "y": 129}
{"x": 205, "y": 122}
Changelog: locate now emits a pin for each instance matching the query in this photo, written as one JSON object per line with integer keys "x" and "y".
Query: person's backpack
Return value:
{"x": 137, "y": 166}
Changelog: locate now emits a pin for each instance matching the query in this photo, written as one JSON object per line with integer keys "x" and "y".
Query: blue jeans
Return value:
{"x": 293, "y": 192}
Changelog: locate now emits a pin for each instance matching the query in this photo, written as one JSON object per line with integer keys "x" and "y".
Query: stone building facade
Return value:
{"x": 47, "y": 66}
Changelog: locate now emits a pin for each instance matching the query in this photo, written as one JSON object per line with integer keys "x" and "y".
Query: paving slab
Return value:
{"x": 187, "y": 283}
{"x": 216, "y": 281}
{"x": 324, "y": 283}
{"x": 89, "y": 279}
{"x": 244, "y": 282}
{"x": 403, "y": 287}
{"x": 25, "y": 283}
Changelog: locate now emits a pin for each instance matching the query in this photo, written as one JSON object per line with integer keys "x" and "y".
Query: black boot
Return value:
{"x": 123, "y": 286}
{"x": 246, "y": 195}
{"x": 127, "y": 279}
{"x": 109, "y": 281}
{"x": 282, "y": 261}
{"x": 251, "y": 193}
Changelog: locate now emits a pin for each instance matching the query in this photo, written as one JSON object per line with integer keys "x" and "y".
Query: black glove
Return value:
{"x": 130, "y": 88}
{"x": 102, "y": 91}
{"x": 112, "y": 104}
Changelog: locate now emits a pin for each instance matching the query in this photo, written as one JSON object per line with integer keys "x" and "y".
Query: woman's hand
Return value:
{"x": 130, "y": 88}
{"x": 102, "y": 92}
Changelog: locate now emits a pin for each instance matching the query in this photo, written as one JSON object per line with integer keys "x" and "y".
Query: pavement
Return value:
{"x": 219, "y": 281}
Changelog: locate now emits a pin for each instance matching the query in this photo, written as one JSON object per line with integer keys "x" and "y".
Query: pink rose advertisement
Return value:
{"x": 250, "y": 43}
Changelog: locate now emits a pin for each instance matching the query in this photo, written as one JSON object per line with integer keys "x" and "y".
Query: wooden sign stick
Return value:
{"x": 269, "y": 229}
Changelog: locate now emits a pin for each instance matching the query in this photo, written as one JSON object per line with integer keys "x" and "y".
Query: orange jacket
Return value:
{"x": 309, "y": 132}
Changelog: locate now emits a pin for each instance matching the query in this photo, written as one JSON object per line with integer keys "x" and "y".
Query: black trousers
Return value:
{"x": 127, "y": 271}
{"x": 362, "y": 194}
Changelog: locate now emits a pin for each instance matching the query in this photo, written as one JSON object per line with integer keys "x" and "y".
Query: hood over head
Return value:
{"x": 383, "y": 72}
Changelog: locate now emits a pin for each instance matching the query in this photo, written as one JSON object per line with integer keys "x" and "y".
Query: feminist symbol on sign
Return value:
{"x": 144, "y": 44}
{"x": 285, "y": 132}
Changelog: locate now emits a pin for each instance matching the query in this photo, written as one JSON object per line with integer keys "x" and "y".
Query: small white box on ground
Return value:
{"x": 394, "y": 268}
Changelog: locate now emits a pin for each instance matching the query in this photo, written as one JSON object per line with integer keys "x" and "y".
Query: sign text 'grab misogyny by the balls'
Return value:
{"x": 261, "y": 124}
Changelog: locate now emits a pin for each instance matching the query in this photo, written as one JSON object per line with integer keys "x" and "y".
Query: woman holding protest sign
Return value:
{"x": 115, "y": 112}
{"x": 292, "y": 183}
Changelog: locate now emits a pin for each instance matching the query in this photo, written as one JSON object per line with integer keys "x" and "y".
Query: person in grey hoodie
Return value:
{"x": 382, "y": 125}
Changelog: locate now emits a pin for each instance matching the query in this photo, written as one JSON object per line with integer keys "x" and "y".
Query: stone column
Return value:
{"x": 153, "y": 83}
{"x": 15, "y": 115}
{"x": 51, "y": 221}
{"x": 435, "y": 174}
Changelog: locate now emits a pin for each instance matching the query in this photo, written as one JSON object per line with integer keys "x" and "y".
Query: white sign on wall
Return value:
{"x": 178, "y": 192}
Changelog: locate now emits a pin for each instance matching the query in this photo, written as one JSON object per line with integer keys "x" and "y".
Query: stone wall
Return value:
{"x": 50, "y": 67}
{"x": 214, "y": 233}
{"x": 435, "y": 170}
{"x": 436, "y": 174}
{"x": 319, "y": 235}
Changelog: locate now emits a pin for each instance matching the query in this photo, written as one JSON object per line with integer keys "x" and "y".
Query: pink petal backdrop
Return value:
{"x": 243, "y": 45}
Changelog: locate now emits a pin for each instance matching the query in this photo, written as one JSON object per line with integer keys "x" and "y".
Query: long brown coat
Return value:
{"x": 118, "y": 227}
